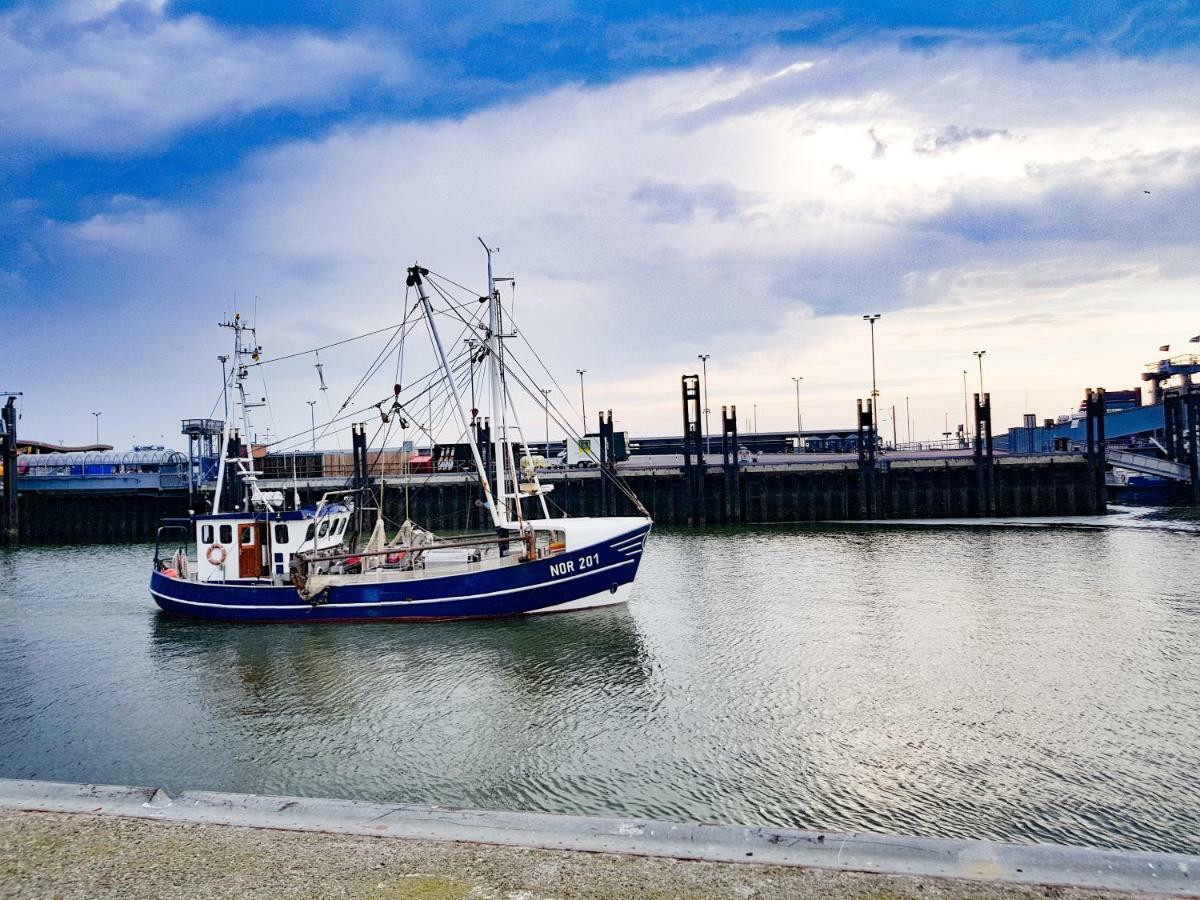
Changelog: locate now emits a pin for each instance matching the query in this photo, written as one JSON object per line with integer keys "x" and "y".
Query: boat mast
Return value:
{"x": 228, "y": 428}
{"x": 415, "y": 274}
{"x": 239, "y": 373}
{"x": 497, "y": 373}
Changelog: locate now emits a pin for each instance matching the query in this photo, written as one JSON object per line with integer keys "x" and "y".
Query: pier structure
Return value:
{"x": 94, "y": 495}
{"x": 98, "y": 497}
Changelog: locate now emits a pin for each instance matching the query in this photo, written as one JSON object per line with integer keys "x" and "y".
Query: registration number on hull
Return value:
{"x": 572, "y": 566}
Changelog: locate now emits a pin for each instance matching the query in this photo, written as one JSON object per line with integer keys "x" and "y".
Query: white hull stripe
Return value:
{"x": 618, "y": 545}
{"x": 367, "y": 605}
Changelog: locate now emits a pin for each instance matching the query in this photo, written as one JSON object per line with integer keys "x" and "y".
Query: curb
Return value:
{"x": 1043, "y": 864}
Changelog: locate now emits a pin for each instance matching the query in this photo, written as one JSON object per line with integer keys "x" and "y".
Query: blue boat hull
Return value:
{"x": 590, "y": 576}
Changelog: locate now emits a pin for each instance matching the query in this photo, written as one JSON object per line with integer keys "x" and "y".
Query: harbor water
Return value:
{"x": 1022, "y": 682}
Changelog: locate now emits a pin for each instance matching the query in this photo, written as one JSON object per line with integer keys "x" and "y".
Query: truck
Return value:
{"x": 585, "y": 451}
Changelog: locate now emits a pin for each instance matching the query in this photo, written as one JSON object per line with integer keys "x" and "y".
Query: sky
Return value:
{"x": 744, "y": 180}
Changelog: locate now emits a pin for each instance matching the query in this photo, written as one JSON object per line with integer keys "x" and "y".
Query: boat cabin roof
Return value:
{"x": 288, "y": 515}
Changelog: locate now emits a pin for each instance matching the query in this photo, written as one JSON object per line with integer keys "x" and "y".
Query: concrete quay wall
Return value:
{"x": 767, "y": 855}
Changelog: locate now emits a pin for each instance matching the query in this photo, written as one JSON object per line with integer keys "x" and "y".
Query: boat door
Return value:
{"x": 249, "y": 550}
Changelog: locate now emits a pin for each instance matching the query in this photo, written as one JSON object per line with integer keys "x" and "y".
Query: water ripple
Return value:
{"x": 1019, "y": 683}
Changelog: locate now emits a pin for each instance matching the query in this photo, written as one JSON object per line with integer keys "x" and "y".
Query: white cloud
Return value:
{"x": 108, "y": 77}
{"x": 746, "y": 212}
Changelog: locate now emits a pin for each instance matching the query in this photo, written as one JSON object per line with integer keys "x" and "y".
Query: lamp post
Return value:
{"x": 582, "y": 401}
{"x": 872, "y": 319}
{"x": 707, "y": 435}
{"x": 796, "y": 379}
{"x": 966, "y": 417}
{"x": 97, "y": 415}
{"x": 546, "y": 409}
{"x": 224, "y": 358}
{"x": 908, "y": 419}
{"x": 979, "y": 356}
{"x": 312, "y": 415}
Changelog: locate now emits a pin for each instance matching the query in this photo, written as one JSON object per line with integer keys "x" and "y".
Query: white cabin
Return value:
{"x": 257, "y": 546}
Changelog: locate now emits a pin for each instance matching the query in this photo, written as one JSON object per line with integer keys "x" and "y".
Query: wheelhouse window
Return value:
{"x": 324, "y": 529}
{"x": 226, "y": 534}
{"x": 206, "y": 534}
{"x": 312, "y": 529}
{"x": 281, "y": 533}
{"x": 247, "y": 534}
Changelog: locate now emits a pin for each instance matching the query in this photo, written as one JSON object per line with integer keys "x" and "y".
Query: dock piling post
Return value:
{"x": 10, "y": 529}
{"x": 733, "y": 510}
{"x": 693, "y": 451}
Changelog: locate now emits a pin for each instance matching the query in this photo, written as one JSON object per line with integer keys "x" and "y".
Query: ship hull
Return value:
{"x": 598, "y": 574}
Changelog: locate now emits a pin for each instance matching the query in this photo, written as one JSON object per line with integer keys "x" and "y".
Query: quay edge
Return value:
{"x": 971, "y": 860}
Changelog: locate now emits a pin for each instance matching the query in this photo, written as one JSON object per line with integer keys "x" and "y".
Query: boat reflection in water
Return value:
{"x": 457, "y": 712}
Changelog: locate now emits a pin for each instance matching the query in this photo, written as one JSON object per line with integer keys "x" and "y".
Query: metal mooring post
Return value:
{"x": 693, "y": 450}
{"x": 233, "y": 479}
{"x": 10, "y": 526}
{"x": 358, "y": 453}
{"x": 1101, "y": 454}
{"x": 1096, "y": 482}
{"x": 732, "y": 510}
{"x": 981, "y": 491}
{"x": 989, "y": 447}
{"x": 866, "y": 460}
{"x": 607, "y": 465}
{"x": 1193, "y": 415}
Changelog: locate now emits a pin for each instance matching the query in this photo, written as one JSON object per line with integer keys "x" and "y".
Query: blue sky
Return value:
{"x": 974, "y": 169}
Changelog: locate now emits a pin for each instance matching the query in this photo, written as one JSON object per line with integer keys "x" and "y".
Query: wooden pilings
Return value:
{"x": 97, "y": 516}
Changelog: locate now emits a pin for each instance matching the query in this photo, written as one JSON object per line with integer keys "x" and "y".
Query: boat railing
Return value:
{"x": 302, "y": 562}
{"x": 183, "y": 526}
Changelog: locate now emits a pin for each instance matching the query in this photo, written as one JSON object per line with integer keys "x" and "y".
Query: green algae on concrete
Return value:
{"x": 79, "y": 855}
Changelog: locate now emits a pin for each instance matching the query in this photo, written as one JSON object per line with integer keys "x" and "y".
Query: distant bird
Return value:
{"x": 1145, "y": 192}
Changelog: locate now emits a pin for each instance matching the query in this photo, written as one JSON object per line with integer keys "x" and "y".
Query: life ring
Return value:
{"x": 215, "y": 554}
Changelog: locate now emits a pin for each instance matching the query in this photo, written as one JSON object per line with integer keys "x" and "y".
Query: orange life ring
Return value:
{"x": 215, "y": 554}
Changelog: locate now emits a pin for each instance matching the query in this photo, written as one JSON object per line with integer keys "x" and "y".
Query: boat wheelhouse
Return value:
{"x": 251, "y": 547}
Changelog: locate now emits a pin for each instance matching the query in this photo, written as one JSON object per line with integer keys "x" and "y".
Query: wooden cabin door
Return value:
{"x": 249, "y": 551}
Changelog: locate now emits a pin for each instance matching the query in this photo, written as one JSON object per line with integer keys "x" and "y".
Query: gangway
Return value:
{"x": 1148, "y": 465}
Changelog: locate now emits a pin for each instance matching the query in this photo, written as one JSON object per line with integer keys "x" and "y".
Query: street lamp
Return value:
{"x": 908, "y": 419}
{"x": 799, "y": 422}
{"x": 97, "y": 415}
{"x": 582, "y": 401}
{"x": 312, "y": 415}
{"x": 707, "y": 435}
{"x": 872, "y": 319}
{"x": 546, "y": 408}
{"x": 224, "y": 358}
{"x": 979, "y": 356}
{"x": 966, "y": 417}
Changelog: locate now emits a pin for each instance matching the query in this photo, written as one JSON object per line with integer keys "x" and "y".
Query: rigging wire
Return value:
{"x": 357, "y": 337}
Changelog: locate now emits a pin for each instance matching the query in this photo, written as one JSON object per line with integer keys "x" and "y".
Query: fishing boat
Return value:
{"x": 262, "y": 556}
